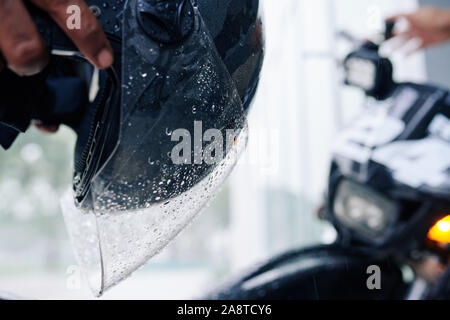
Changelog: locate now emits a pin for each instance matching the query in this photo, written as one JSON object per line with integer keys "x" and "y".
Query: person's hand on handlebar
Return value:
{"x": 24, "y": 52}
{"x": 429, "y": 25}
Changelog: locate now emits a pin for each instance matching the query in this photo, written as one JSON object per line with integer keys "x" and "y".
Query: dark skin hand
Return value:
{"x": 23, "y": 51}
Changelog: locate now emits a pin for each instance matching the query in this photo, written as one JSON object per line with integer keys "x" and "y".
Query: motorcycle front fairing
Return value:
{"x": 317, "y": 273}
{"x": 390, "y": 150}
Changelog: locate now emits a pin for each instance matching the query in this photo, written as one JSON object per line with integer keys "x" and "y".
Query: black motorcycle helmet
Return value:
{"x": 177, "y": 63}
{"x": 158, "y": 132}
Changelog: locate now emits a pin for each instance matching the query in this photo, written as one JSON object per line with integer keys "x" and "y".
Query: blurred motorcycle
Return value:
{"x": 388, "y": 198}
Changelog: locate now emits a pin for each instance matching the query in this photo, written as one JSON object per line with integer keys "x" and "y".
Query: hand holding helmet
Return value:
{"x": 24, "y": 50}
{"x": 25, "y": 53}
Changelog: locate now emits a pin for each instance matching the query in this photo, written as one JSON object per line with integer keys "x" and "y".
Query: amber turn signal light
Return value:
{"x": 440, "y": 232}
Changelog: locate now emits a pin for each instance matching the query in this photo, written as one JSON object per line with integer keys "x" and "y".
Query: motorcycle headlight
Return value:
{"x": 361, "y": 73}
{"x": 365, "y": 211}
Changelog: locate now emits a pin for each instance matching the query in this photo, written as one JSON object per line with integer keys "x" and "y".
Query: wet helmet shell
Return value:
{"x": 237, "y": 33}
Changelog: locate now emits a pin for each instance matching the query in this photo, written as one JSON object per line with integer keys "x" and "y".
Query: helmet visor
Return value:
{"x": 182, "y": 128}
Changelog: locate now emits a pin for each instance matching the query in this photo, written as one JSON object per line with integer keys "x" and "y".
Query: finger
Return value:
{"x": 414, "y": 45}
{"x": 393, "y": 45}
{"x": 22, "y": 47}
{"x": 89, "y": 38}
{"x": 401, "y": 40}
